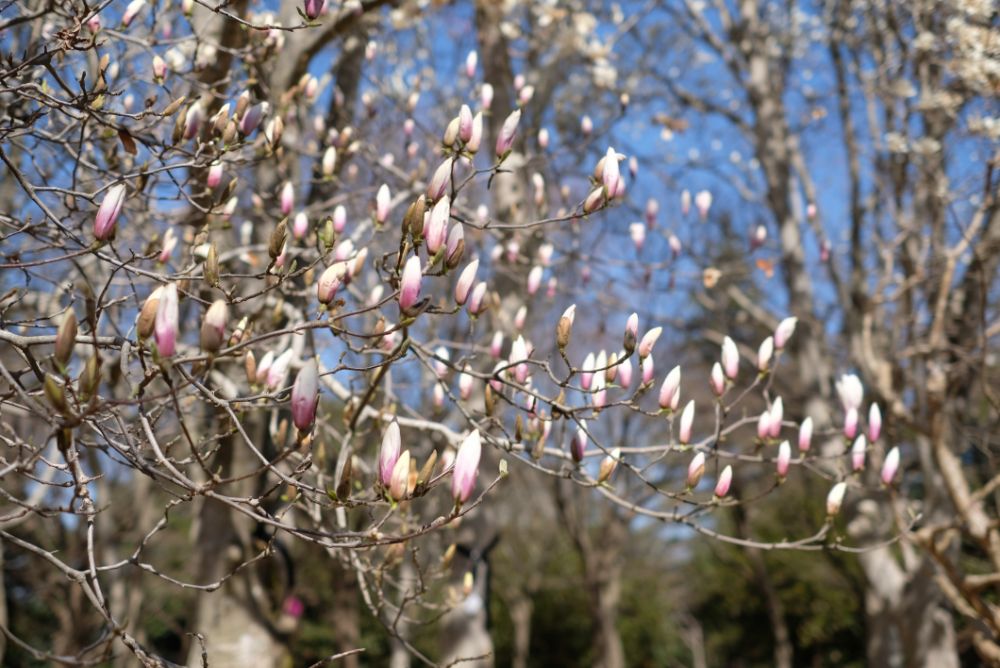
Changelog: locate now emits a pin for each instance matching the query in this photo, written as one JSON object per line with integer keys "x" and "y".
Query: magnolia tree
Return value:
{"x": 297, "y": 277}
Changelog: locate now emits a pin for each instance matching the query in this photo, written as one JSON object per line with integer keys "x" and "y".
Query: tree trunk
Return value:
{"x": 521, "y": 609}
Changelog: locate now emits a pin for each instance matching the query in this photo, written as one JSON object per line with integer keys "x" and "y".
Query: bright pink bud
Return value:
{"x": 805, "y": 434}
{"x": 764, "y": 354}
{"x": 383, "y": 202}
{"x": 703, "y": 202}
{"x": 890, "y": 466}
{"x": 687, "y": 422}
{"x": 858, "y": 453}
{"x": 835, "y": 499}
{"x": 300, "y": 225}
{"x": 463, "y": 479}
{"x": 330, "y": 281}
{"x": 436, "y": 230}
{"x": 647, "y": 370}
{"x": 465, "y": 123}
{"x": 851, "y": 423}
{"x": 107, "y": 214}
{"x": 730, "y": 358}
{"x": 534, "y": 279}
{"x": 670, "y": 389}
{"x": 252, "y": 118}
{"x": 777, "y": 415}
{"x": 409, "y": 285}
{"x": 94, "y": 23}
{"x": 439, "y": 183}
{"x": 784, "y": 332}
{"x": 764, "y": 425}
{"x": 578, "y": 446}
{"x": 305, "y": 396}
{"x": 471, "y": 60}
{"x": 587, "y": 371}
{"x": 610, "y": 174}
{"x": 505, "y": 140}
{"x": 287, "y": 198}
{"x": 455, "y": 247}
{"x": 625, "y": 373}
{"x": 313, "y": 8}
{"x": 465, "y": 281}
{"x": 339, "y": 218}
{"x": 214, "y": 174}
{"x": 648, "y": 341}
{"x": 874, "y": 422}
{"x": 725, "y": 482}
{"x": 496, "y": 345}
{"x": 696, "y": 469}
{"x": 166, "y": 327}
{"x": 193, "y": 119}
{"x": 784, "y": 459}
{"x": 717, "y": 380}
{"x": 475, "y": 305}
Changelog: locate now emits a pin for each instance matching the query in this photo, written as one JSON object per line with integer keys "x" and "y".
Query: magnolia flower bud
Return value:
{"x": 858, "y": 453}
{"x": 890, "y": 466}
{"x": 305, "y": 396}
{"x": 383, "y": 202}
{"x": 262, "y": 368}
{"x": 717, "y": 380}
{"x": 252, "y": 118}
{"x": 594, "y": 200}
{"x": 874, "y": 422}
{"x": 724, "y": 483}
{"x": 463, "y": 479}
{"x": 465, "y": 281}
{"x": 193, "y": 119}
{"x": 703, "y": 201}
{"x": 764, "y": 425}
{"x": 147, "y": 316}
{"x": 652, "y": 208}
{"x": 313, "y": 8}
{"x": 436, "y": 231}
{"x": 287, "y": 198}
{"x": 534, "y": 279}
{"x": 611, "y": 372}
{"x": 439, "y": 183}
{"x": 165, "y": 328}
{"x": 777, "y": 415}
{"x": 409, "y": 285}
{"x": 608, "y": 465}
{"x": 496, "y": 345}
{"x": 730, "y": 358}
{"x": 471, "y": 59}
{"x": 389, "y": 453}
{"x": 450, "y": 135}
{"x": 399, "y": 481}
{"x": 107, "y": 214}
{"x": 586, "y": 125}
{"x": 131, "y": 11}
{"x": 610, "y": 173}
{"x": 764, "y": 354}
{"x": 638, "y": 233}
{"x": 339, "y": 218}
{"x": 330, "y": 281}
{"x": 835, "y": 498}
{"x": 65, "y": 340}
{"x": 696, "y": 469}
{"x": 687, "y": 422}
{"x": 279, "y": 369}
{"x": 213, "y": 327}
{"x": 465, "y": 123}
{"x": 518, "y": 355}
{"x": 486, "y": 96}
{"x": 565, "y": 327}
{"x": 685, "y": 202}
{"x": 675, "y": 244}
{"x": 647, "y": 371}
{"x": 784, "y": 459}
{"x": 455, "y": 247}
{"x": 329, "y": 162}
{"x": 578, "y": 446}
{"x": 505, "y": 139}
{"x": 465, "y": 383}
{"x": 476, "y": 138}
{"x": 587, "y": 371}
{"x": 648, "y": 341}
{"x": 159, "y": 69}
{"x": 851, "y": 423}
{"x": 625, "y": 373}
{"x": 784, "y": 332}
{"x": 805, "y": 434}
{"x": 475, "y": 304}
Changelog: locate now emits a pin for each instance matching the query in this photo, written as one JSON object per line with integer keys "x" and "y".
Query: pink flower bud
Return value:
{"x": 193, "y": 119}
{"x": 758, "y": 237}
{"x": 594, "y": 200}
{"x": 455, "y": 247}
{"x": 586, "y": 125}
{"x": 784, "y": 459}
{"x": 313, "y": 8}
{"x": 213, "y": 327}
{"x": 252, "y": 118}
{"x": 399, "y": 480}
{"x": 505, "y": 139}
{"x": 543, "y": 138}
{"x": 330, "y": 281}
{"x": 518, "y": 355}
{"x": 159, "y": 68}
{"x": 440, "y": 364}
{"x": 534, "y": 279}
{"x": 858, "y": 453}
{"x": 131, "y": 11}
{"x": 703, "y": 202}
{"x": 166, "y": 328}
{"x": 648, "y": 341}
{"x": 496, "y": 344}
{"x": 476, "y": 137}
{"x": 587, "y": 371}
{"x": 609, "y": 464}
{"x": 107, "y": 214}
{"x": 835, "y": 499}
{"x": 625, "y": 373}
{"x": 647, "y": 370}
{"x": 465, "y": 123}
{"x": 465, "y": 383}
{"x": 890, "y": 466}
{"x": 874, "y": 422}
{"x": 439, "y": 183}
{"x": 725, "y": 482}
{"x": 383, "y": 202}
{"x": 730, "y": 358}
{"x": 389, "y": 453}
{"x": 264, "y": 367}
{"x": 784, "y": 332}
{"x": 279, "y": 369}
{"x": 465, "y": 281}
{"x": 631, "y": 332}
{"x": 638, "y": 233}
{"x": 524, "y": 95}
{"x": 409, "y": 285}
{"x": 475, "y": 305}
{"x": 463, "y": 479}
{"x": 805, "y": 434}
{"x": 94, "y": 23}
{"x": 675, "y": 244}
{"x": 777, "y": 415}
{"x": 471, "y": 60}
{"x": 685, "y": 202}
{"x": 696, "y": 469}
{"x": 436, "y": 229}
{"x": 717, "y": 380}
{"x": 764, "y": 354}
{"x": 486, "y": 96}
{"x": 578, "y": 446}
{"x": 652, "y": 208}
{"x": 670, "y": 389}
{"x": 339, "y": 218}
{"x": 305, "y": 396}
{"x": 610, "y": 174}
{"x": 851, "y": 392}
{"x": 169, "y": 243}
{"x": 287, "y": 198}
{"x": 214, "y": 175}
{"x": 764, "y": 425}
{"x": 851, "y": 422}
{"x": 438, "y": 396}
{"x": 300, "y": 225}
{"x": 687, "y": 422}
